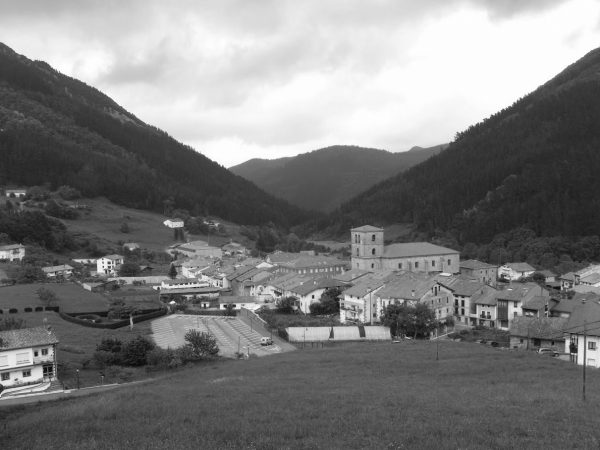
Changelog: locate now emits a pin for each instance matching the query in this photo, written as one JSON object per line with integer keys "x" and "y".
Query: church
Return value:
{"x": 370, "y": 253}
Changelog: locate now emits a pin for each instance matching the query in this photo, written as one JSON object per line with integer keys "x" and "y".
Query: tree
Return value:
{"x": 46, "y": 296}
{"x": 135, "y": 352}
{"x": 173, "y": 271}
{"x": 418, "y": 320}
{"x": 124, "y": 228}
{"x": 201, "y": 344}
{"x": 129, "y": 269}
{"x": 12, "y": 323}
{"x": 286, "y": 305}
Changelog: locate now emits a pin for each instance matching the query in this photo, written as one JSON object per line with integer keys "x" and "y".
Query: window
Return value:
{"x": 399, "y": 265}
{"x": 26, "y": 373}
{"x": 373, "y": 238}
{"x": 417, "y": 265}
{"x": 356, "y": 252}
{"x": 22, "y": 358}
{"x": 372, "y": 266}
{"x": 432, "y": 263}
{"x": 462, "y": 303}
{"x": 372, "y": 251}
{"x": 449, "y": 262}
{"x": 36, "y": 353}
{"x": 3, "y": 360}
{"x": 591, "y": 345}
{"x": 5, "y": 376}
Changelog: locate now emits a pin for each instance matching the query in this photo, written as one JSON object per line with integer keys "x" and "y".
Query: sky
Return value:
{"x": 242, "y": 79}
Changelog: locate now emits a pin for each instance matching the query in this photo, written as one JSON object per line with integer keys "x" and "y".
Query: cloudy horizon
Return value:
{"x": 238, "y": 80}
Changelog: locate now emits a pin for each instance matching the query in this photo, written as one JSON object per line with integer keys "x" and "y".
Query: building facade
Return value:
{"x": 370, "y": 253}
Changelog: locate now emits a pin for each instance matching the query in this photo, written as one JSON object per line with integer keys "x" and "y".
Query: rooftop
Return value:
{"x": 366, "y": 228}
{"x": 26, "y": 337}
{"x": 473, "y": 264}
{"x": 415, "y": 249}
{"x": 520, "y": 267}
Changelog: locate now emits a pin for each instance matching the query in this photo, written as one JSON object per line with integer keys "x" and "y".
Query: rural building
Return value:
{"x": 311, "y": 291}
{"x": 62, "y": 271}
{"x": 484, "y": 272}
{"x": 485, "y": 302}
{"x": 184, "y": 283}
{"x": 567, "y": 281}
{"x": 27, "y": 356}
{"x": 173, "y": 223}
{"x": 15, "y": 193}
{"x": 515, "y": 271}
{"x": 511, "y": 299}
{"x": 195, "y": 249}
{"x": 12, "y": 252}
{"x": 360, "y": 302}
{"x": 370, "y": 253}
{"x": 234, "y": 249}
{"x": 109, "y": 264}
{"x": 531, "y": 333}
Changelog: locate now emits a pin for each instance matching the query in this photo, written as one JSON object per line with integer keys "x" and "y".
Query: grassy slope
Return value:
{"x": 70, "y": 297}
{"x": 352, "y": 396}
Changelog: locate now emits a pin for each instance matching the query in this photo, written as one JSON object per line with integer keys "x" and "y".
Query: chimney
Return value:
{"x": 413, "y": 293}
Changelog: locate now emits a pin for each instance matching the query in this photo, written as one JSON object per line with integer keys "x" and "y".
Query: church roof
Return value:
{"x": 411, "y": 249}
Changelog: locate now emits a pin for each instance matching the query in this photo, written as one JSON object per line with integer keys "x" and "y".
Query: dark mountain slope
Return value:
{"x": 323, "y": 179}
{"x": 55, "y": 129}
{"x": 535, "y": 164}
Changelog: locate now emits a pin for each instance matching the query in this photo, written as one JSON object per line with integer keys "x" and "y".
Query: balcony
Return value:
{"x": 43, "y": 359}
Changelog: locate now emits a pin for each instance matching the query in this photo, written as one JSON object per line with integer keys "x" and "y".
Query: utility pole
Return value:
{"x": 584, "y": 355}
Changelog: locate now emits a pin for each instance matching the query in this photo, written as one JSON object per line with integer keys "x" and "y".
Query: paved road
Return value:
{"x": 232, "y": 334}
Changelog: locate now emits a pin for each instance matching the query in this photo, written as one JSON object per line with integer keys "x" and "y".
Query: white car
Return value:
{"x": 547, "y": 351}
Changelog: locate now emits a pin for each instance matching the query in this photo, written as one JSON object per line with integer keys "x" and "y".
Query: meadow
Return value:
{"x": 380, "y": 396}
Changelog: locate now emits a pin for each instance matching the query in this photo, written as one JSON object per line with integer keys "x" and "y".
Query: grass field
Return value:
{"x": 71, "y": 297}
{"x": 78, "y": 344}
{"x": 378, "y": 396}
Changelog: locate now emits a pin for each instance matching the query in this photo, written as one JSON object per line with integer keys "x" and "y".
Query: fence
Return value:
{"x": 320, "y": 334}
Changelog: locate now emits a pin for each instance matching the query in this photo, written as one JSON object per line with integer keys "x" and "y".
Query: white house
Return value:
{"x": 62, "y": 271}
{"x": 173, "y": 223}
{"x": 583, "y": 335}
{"x": 12, "y": 252}
{"x": 184, "y": 283}
{"x": 15, "y": 193}
{"x": 515, "y": 271}
{"x": 109, "y": 264}
{"x": 27, "y": 356}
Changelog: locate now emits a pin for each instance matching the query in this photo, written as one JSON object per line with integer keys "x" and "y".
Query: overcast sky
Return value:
{"x": 242, "y": 79}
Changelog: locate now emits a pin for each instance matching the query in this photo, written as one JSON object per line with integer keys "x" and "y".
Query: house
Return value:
{"x": 173, "y": 223}
{"x": 463, "y": 288}
{"x": 187, "y": 283}
{"x": 370, "y": 253}
{"x": 15, "y": 193}
{"x": 311, "y": 291}
{"x": 567, "y": 281}
{"x": 549, "y": 276}
{"x": 131, "y": 246}
{"x": 307, "y": 264}
{"x": 414, "y": 287}
{"x": 510, "y": 301}
{"x": 233, "y": 249}
{"x": 531, "y": 333}
{"x": 27, "y": 356}
{"x": 486, "y": 307}
{"x": 109, "y": 264}
{"x": 583, "y": 334}
{"x": 12, "y": 252}
{"x": 593, "y": 279}
{"x": 515, "y": 271}
{"x": 193, "y": 268}
{"x": 85, "y": 261}
{"x": 54, "y": 272}
{"x": 360, "y": 302}
{"x": 249, "y": 281}
{"x": 484, "y": 272}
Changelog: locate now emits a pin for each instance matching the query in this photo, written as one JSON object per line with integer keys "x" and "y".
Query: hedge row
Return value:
{"x": 113, "y": 325}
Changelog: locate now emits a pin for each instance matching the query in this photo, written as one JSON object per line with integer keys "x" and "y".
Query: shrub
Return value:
{"x": 135, "y": 351}
{"x": 164, "y": 359}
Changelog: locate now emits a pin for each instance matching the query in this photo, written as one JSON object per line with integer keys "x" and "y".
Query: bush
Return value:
{"x": 164, "y": 359}
{"x": 135, "y": 351}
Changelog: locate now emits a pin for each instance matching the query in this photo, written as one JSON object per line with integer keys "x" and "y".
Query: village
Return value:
{"x": 223, "y": 291}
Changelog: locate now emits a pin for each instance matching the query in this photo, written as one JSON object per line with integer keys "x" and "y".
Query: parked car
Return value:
{"x": 266, "y": 341}
{"x": 547, "y": 351}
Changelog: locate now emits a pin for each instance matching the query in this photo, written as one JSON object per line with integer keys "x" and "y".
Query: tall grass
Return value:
{"x": 354, "y": 396}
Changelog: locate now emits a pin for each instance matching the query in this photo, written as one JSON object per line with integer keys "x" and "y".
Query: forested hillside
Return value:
{"x": 57, "y": 130}
{"x": 323, "y": 179}
{"x": 532, "y": 166}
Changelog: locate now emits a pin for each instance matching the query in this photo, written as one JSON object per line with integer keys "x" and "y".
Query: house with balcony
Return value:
{"x": 582, "y": 334}
{"x": 485, "y": 303}
{"x": 109, "y": 265}
{"x": 27, "y": 356}
{"x": 360, "y": 303}
{"x": 12, "y": 252}
{"x": 463, "y": 288}
{"x": 510, "y": 301}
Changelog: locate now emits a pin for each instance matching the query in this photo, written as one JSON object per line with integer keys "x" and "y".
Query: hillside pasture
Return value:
{"x": 379, "y": 396}
{"x": 70, "y": 297}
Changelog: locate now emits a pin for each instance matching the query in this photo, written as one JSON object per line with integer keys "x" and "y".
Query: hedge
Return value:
{"x": 113, "y": 325}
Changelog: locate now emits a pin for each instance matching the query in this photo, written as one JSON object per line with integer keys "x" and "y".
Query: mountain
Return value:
{"x": 533, "y": 165}
{"x": 323, "y": 179}
{"x": 57, "y": 130}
